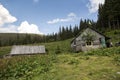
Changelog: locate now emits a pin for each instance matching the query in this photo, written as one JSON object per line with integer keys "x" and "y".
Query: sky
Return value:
{"x": 44, "y": 16}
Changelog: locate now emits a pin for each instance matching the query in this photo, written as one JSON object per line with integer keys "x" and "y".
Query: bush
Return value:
{"x": 57, "y": 51}
{"x": 24, "y": 66}
{"x": 104, "y": 52}
{"x": 73, "y": 61}
{"x": 117, "y": 60}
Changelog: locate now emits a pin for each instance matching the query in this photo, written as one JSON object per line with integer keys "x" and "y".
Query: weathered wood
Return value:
{"x": 80, "y": 44}
{"x": 18, "y": 50}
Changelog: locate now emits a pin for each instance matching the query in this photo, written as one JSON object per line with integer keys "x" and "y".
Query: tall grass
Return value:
{"x": 114, "y": 35}
{"x": 64, "y": 46}
{"x": 101, "y": 64}
{"x": 5, "y": 50}
{"x": 104, "y": 52}
{"x": 24, "y": 67}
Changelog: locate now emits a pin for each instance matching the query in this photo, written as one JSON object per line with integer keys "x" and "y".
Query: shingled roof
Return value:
{"x": 25, "y": 50}
{"x": 93, "y": 30}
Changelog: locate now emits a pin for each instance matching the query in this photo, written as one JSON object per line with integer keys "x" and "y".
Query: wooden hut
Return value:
{"x": 27, "y": 50}
{"x": 88, "y": 39}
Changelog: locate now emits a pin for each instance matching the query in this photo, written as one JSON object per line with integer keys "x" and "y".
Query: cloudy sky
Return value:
{"x": 44, "y": 16}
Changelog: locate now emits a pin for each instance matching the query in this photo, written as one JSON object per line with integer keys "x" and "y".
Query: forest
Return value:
{"x": 109, "y": 15}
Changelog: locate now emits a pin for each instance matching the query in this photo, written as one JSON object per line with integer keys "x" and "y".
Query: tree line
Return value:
{"x": 70, "y": 31}
{"x": 108, "y": 19}
{"x": 109, "y": 15}
{"x": 8, "y": 39}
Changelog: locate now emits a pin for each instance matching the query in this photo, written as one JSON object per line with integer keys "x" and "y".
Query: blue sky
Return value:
{"x": 44, "y": 16}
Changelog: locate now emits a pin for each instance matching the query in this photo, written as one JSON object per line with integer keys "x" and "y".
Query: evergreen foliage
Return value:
{"x": 108, "y": 19}
{"x": 109, "y": 15}
{"x": 64, "y": 33}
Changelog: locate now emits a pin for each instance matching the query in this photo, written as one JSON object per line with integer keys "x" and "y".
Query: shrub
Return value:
{"x": 87, "y": 58}
{"x": 73, "y": 61}
{"x": 24, "y": 66}
{"x": 117, "y": 60}
{"x": 104, "y": 52}
{"x": 58, "y": 50}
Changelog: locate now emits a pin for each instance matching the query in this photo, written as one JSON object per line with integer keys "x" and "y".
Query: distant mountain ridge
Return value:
{"x": 7, "y": 39}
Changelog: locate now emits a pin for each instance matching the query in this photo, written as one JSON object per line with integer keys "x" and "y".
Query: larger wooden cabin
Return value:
{"x": 88, "y": 39}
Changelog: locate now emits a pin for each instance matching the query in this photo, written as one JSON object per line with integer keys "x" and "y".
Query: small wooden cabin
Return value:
{"x": 27, "y": 50}
{"x": 88, "y": 39}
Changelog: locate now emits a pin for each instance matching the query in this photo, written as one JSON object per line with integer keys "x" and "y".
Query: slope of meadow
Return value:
{"x": 94, "y": 65}
{"x": 62, "y": 64}
{"x": 114, "y": 35}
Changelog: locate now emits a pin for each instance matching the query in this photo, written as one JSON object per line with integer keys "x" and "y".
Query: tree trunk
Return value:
{"x": 118, "y": 24}
{"x": 114, "y": 24}
{"x": 109, "y": 24}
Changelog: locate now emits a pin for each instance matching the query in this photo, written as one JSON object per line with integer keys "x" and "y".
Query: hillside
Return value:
{"x": 7, "y": 39}
{"x": 114, "y": 35}
{"x": 64, "y": 65}
{"x": 94, "y": 65}
{"x": 52, "y": 46}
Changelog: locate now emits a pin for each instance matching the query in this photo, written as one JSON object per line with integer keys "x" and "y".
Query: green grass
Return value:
{"x": 114, "y": 35}
{"x": 101, "y": 64}
{"x": 52, "y": 46}
{"x": 60, "y": 67}
{"x": 94, "y": 68}
{"x": 5, "y": 50}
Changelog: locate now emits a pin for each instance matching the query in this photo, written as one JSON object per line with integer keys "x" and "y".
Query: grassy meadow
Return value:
{"x": 61, "y": 64}
{"x": 114, "y": 35}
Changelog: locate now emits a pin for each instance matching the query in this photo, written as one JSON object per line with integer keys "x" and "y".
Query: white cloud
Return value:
{"x": 25, "y": 27}
{"x": 9, "y": 29}
{"x": 93, "y": 5}
{"x": 70, "y": 17}
{"x": 54, "y": 21}
{"x": 5, "y": 16}
{"x": 35, "y": 1}
{"x": 60, "y": 20}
